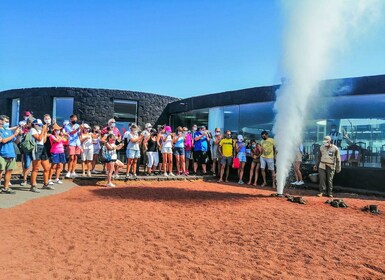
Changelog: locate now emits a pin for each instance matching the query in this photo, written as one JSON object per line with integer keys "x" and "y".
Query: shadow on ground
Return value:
{"x": 171, "y": 194}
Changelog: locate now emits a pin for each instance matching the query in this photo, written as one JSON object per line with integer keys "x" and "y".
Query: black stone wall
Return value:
{"x": 94, "y": 106}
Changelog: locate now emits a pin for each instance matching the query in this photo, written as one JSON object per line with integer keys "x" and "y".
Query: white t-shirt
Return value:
{"x": 168, "y": 142}
{"x": 87, "y": 144}
{"x": 33, "y": 131}
{"x": 131, "y": 145}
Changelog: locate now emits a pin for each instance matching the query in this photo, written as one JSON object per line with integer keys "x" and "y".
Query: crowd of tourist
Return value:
{"x": 52, "y": 148}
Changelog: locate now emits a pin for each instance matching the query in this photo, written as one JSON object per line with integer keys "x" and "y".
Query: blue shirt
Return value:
{"x": 73, "y": 139}
{"x": 201, "y": 144}
{"x": 243, "y": 148}
{"x": 7, "y": 150}
{"x": 179, "y": 142}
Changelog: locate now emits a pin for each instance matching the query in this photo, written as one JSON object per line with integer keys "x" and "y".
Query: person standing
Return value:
{"x": 167, "y": 140}
{"x": 201, "y": 146}
{"x": 214, "y": 151}
{"x": 73, "y": 132}
{"x": 226, "y": 150}
{"x": 133, "y": 149}
{"x": 241, "y": 155}
{"x": 328, "y": 163}
{"x": 87, "y": 150}
{"x": 151, "y": 146}
{"x": 40, "y": 155}
{"x": 267, "y": 157}
{"x": 7, "y": 152}
{"x": 179, "y": 152}
{"x": 188, "y": 144}
{"x": 96, "y": 145}
{"x": 297, "y": 166}
{"x": 255, "y": 153}
{"x": 58, "y": 157}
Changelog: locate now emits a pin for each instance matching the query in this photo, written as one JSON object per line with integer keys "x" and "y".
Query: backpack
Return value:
{"x": 104, "y": 155}
{"x": 28, "y": 143}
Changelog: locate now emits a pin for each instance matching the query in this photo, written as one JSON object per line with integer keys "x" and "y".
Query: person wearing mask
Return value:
{"x": 146, "y": 133}
{"x": 328, "y": 163}
{"x": 49, "y": 122}
{"x": 112, "y": 164}
{"x": 27, "y": 115}
{"x": 39, "y": 155}
{"x": 188, "y": 144}
{"x": 166, "y": 138}
{"x": 73, "y": 130}
{"x": 87, "y": 149}
{"x": 240, "y": 147}
{"x": 151, "y": 146}
{"x": 267, "y": 157}
{"x": 226, "y": 150}
{"x": 111, "y": 127}
{"x": 96, "y": 145}
{"x": 133, "y": 140}
{"x": 214, "y": 151}
{"x": 201, "y": 146}
{"x": 297, "y": 166}
{"x": 26, "y": 155}
{"x": 179, "y": 152}
{"x": 7, "y": 152}
{"x": 335, "y": 135}
{"x": 255, "y": 153}
{"x": 58, "y": 158}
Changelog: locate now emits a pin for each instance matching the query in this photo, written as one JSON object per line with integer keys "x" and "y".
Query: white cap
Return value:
{"x": 86, "y": 126}
{"x": 148, "y": 125}
{"x": 240, "y": 137}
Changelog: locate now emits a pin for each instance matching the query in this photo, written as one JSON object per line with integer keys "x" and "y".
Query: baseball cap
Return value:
{"x": 26, "y": 113}
{"x": 148, "y": 125}
{"x": 240, "y": 137}
{"x": 327, "y": 139}
{"x": 37, "y": 122}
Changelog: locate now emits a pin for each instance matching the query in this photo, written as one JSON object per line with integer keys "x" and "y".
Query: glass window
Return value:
{"x": 63, "y": 108}
{"x": 125, "y": 113}
{"x": 15, "y": 111}
{"x": 231, "y": 118}
{"x": 188, "y": 119}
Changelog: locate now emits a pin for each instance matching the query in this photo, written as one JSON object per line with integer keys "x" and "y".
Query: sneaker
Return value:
{"x": 93, "y": 171}
{"x": 116, "y": 176}
{"x": 300, "y": 183}
{"x": 172, "y": 174}
{"x": 320, "y": 194}
{"x": 84, "y": 174}
{"x": 7, "y": 191}
{"x": 165, "y": 174}
{"x": 50, "y": 182}
{"x": 68, "y": 175}
{"x": 186, "y": 173}
{"x": 134, "y": 176}
{"x": 111, "y": 185}
{"x": 58, "y": 181}
{"x": 294, "y": 183}
{"x": 74, "y": 175}
{"x": 89, "y": 173}
{"x": 48, "y": 187}
{"x": 128, "y": 176}
{"x": 240, "y": 182}
{"x": 9, "y": 184}
{"x": 330, "y": 195}
{"x": 34, "y": 189}
{"x": 24, "y": 183}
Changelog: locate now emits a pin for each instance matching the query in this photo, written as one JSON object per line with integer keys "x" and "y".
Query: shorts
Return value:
{"x": 200, "y": 157}
{"x": 27, "y": 159}
{"x": 96, "y": 151}
{"x": 298, "y": 157}
{"x": 88, "y": 154}
{"x": 7, "y": 163}
{"x": 187, "y": 154}
{"x": 269, "y": 162}
{"x": 74, "y": 150}
{"x": 226, "y": 160}
{"x": 133, "y": 154}
{"x": 178, "y": 151}
{"x": 39, "y": 153}
{"x": 58, "y": 158}
{"x": 256, "y": 160}
{"x": 166, "y": 150}
{"x": 241, "y": 156}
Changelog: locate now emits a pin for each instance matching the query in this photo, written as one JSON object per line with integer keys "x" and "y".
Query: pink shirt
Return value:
{"x": 56, "y": 147}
